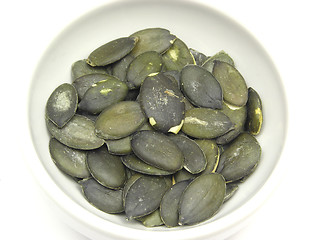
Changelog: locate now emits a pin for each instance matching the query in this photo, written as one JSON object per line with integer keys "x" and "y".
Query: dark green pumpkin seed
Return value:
{"x": 206, "y": 123}
{"x": 200, "y": 87}
{"x": 161, "y": 100}
{"x": 152, "y": 39}
{"x": 201, "y": 199}
{"x": 78, "y": 133}
{"x": 120, "y": 68}
{"x": 255, "y": 116}
{"x": 104, "y": 199}
{"x": 70, "y": 161}
{"x": 120, "y": 146}
{"x": 183, "y": 175}
{"x": 194, "y": 158}
{"x": 158, "y": 150}
{"x": 152, "y": 220}
{"x": 199, "y": 57}
{"x": 119, "y": 120}
{"x": 170, "y": 204}
{"x": 144, "y": 196}
{"x": 177, "y": 56}
{"x": 107, "y": 169}
{"x": 81, "y": 68}
{"x": 174, "y": 75}
{"x": 211, "y": 152}
{"x": 103, "y": 94}
{"x": 230, "y": 191}
{"x": 143, "y": 65}
{"x": 112, "y": 51}
{"x": 129, "y": 183}
{"x": 240, "y": 157}
{"x": 233, "y": 85}
{"x": 62, "y": 104}
{"x": 220, "y": 56}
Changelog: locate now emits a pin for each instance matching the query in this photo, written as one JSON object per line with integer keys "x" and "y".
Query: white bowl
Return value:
{"x": 201, "y": 28}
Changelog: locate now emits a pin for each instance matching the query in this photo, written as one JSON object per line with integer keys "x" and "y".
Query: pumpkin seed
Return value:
{"x": 83, "y": 83}
{"x": 255, "y": 117}
{"x": 240, "y": 157}
{"x": 206, "y": 123}
{"x": 120, "y": 146}
{"x": 111, "y": 51}
{"x": 103, "y": 94}
{"x": 62, "y": 104}
{"x": 170, "y": 203}
{"x": 174, "y": 75}
{"x": 78, "y": 133}
{"x": 158, "y": 150}
{"x": 151, "y": 220}
{"x": 104, "y": 199}
{"x": 144, "y": 196}
{"x": 119, "y": 120}
{"x": 106, "y": 169}
{"x": 177, "y": 56}
{"x": 200, "y": 87}
{"x": 211, "y": 152}
{"x": 230, "y": 191}
{"x": 119, "y": 69}
{"x": 70, "y": 161}
{"x": 143, "y": 65}
{"x": 81, "y": 68}
{"x": 199, "y": 57}
{"x": 152, "y": 39}
{"x": 129, "y": 183}
{"x": 220, "y": 56}
{"x": 194, "y": 158}
{"x": 201, "y": 199}
{"x": 183, "y": 175}
{"x": 233, "y": 85}
{"x": 161, "y": 101}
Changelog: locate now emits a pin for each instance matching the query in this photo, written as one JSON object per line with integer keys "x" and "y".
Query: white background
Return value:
{"x": 289, "y": 30}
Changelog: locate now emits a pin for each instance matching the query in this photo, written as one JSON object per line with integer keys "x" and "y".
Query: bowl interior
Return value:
{"x": 201, "y": 28}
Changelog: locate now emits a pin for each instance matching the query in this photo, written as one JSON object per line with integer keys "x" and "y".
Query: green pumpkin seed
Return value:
{"x": 194, "y": 158}
{"x": 233, "y": 85}
{"x": 158, "y": 150}
{"x": 152, "y": 39}
{"x": 174, "y": 75}
{"x": 220, "y": 56}
{"x": 211, "y": 152}
{"x": 129, "y": 183}
{"x": 199, "y": 57}
{"x": 230, "y": 191}
{"x": 206, "y": 123}
{"x": 103, "y": 94}
{"x": 177, "y": 56}
{"x": 143, "y": 65}
{"x": 152, "y": 220}
{"x": 144, "y": 196}
{"x": 70, "y": 161}
{"x": 81, "y": 68}
{"x": 106, "y": 169}
{"x": 201, "y": 199}
{"x": 62, "y": 104}
{"x": 134, "y": 163}
{"x": 119, "y": 120}
{"x": 83, "y": 83}
{"x": 200, "y": 87}
{"x": 120, "y": 146}
{"x": 78, "y": 133}
{"x": 120, "y": 68}
{"x": 104, "y": 199}
{"x": 112, "y": 51}
{"x": 240, "y": 157}
{"x": 255, "y": 116}
{"x": 161, "y": 100}
{"x": 169, "y": 204}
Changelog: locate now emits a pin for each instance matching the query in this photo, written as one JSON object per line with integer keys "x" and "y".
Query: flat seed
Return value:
{"x": 81, "y": 68}
{"x": 240, "y": 157}
{"x": 233, "y": 85}
{"x": 62, "y": 104}
{"x": 120, "y": 146}
{"x": 211, "y": 152}
{"x": 143, "y": 65}
{"x": 162, "y": 102}
{"x": 255, "y": 116}
{"x": 83, "y": 83}
{"x": 106, "y": 169}
{"x": 174, "y": 75}
{"x": 152, "y": 220}
{"x": 120, "y": 68}
{"x": 220, "y": 56}
{"x": 103, "y": 94}
{"x": 200, "y": 87}
{"x": 111, "y": 51}
{"x": 206, "y": 123}
{"x": 201, "y": 199}
{"x": 158, "y": 150}
{"x": 183, "y": 175}
{"x": 104, "y": 199}
{"x": 170, "y": 204}
{"x": 230, "y": 191}
{"x": 119, "y": 120}
{"x": 194, "y": 158}
{"x": 70, "y": 161}
{"x": 144, "y": 196}
{"x": 129, "y": 183}
{"x": 134, "y": 163}
{"x": 152, "y": 39}
{"x": 199, "y": 57}
{"x": 177, "y": 56}
{"x": 78, "y": 133}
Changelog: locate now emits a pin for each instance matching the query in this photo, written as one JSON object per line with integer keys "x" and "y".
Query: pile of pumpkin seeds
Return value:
{"x": 155, "y": 130}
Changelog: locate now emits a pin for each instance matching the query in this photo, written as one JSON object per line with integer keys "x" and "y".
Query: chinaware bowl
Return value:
{"x": 200, "y": 27}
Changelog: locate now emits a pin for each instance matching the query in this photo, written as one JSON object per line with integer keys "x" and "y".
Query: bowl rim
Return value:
{"x": 235, "y": 219}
